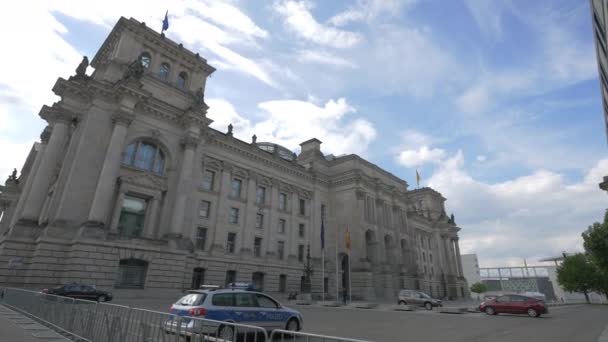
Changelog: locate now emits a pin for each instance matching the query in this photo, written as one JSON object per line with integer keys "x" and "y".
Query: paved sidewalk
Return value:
{"x": 17, "y": 327}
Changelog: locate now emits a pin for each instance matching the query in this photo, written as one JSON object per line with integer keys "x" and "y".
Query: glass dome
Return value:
{"x": 283, "y": 152}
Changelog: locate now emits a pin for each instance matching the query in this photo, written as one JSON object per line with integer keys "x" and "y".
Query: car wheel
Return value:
{"x": 402, "y": 302}
{"x": 292, "y": 325}
{"x": 490, "y": 310}
{"x": 428, "y": 306}
{"x": 226, "y": 333}
{"x": 101, "y": 299}
{"x": 532, "y": 313}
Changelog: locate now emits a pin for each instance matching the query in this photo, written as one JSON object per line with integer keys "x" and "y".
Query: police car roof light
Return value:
{"x": 242, "y": 286}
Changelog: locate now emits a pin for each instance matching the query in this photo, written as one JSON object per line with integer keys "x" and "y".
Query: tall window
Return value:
{"x": 282, "y": 201}
{"x": 145, "y": 60}
{"x": 198, "y": 277}
{"x": 131, "y": 273}
{"x": 231, "y": 242}
{"x": 300, "y": 252}
{"x": 146, "y": 156}
{"x": 259, "y": 221}
{"x": 181, "y": 80}
{"x": 281, "y": 249}
{"x": 257, "y": 246}
{"x": 282, "y": 224}
{"x": 132, "y": 216}
{"x": 236, "y": 187}
{"x": 301, "y": 230}
{"x": 208, "y": 178}
{"x": 201, "y": 238}
{"x": 260, "y": 195}
{"x": 230, "y": 277}
{"x": 323, "y": 212}
{"x": 257, "y": 278}
{"x": 205, "y": 209}
{"x": 234, "y": 215}
{"x": 302, "y": 207}
{"x": 282, "y": 283}
{"x": 163, "y": 72}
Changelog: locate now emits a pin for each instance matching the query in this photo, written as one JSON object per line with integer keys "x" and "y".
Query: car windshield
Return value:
{"x": 191, "y": 299}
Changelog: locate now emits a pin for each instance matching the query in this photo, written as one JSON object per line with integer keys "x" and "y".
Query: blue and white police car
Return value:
{"x": 238, "y": 303}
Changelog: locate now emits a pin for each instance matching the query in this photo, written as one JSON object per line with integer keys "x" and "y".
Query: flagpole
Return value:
{"x": 323, "y": 272}
{"x": 350, "y": 285}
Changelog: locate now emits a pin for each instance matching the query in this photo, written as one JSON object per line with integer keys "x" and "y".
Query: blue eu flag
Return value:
{"x": 165, "y": 22}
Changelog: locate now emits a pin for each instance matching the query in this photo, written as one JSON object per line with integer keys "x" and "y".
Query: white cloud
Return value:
{"x": 521, "y": 211}
{"x": 291, "y": 122}
{"x": 488, "y": 16}
{"x": 368, "y": 10}
{"x": 423, "y": 155}
{"x": 298, "y": 18}
{"x": 481, "y": 158}
{"x": 319, "y": 57}
{"x": 13, "y": 156}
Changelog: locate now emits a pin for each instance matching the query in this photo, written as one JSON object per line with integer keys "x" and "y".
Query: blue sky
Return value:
{"x": 497, "y": 103}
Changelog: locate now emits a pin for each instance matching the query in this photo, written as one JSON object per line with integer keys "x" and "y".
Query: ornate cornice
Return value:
{"x": 190, "y": 142}
{"x": 122, "y": 118}
{"x": 57, "y": 114}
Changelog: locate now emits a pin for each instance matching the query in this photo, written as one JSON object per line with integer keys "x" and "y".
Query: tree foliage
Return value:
{"x": 577, "y": 274}
{"x": 596, "y": 243}
{"x": 479, "y": 288}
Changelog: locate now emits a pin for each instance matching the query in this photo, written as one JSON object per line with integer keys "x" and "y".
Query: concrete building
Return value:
{"x": 129, "y": 188}
{"x": 470, "y": 268}
{"x": 599, "y": 14}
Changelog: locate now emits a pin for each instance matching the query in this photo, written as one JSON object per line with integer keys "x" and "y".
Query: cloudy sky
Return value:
{"x": 496, "y": 103}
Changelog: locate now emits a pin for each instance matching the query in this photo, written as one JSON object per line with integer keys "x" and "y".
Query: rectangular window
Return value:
{"x": 301, "y": 230}
{"x": 132, "y": 216}
{"x": 281, "y": 249}
{"x": 282, "y": 224}
{"x": 208, "y": 178}
{"x": 431, "y": 258}
{"x": 300, "y": 253}
{"x": 231, "y": 242}
{"x": 259, "y": 221}
{"x": 302, "y": 207}
{"x": 205, "y": 209}
{"x": 236, "y": 188}
{"x": 282, "y": 283}
{"x": 230, "y": 278}
{"x": 234, "y": 215}
{"x": 201, "y": 238}
{"x": 282, "y": 201}
{"x": 257, "y": 246}
{"x": 260, "y": 195}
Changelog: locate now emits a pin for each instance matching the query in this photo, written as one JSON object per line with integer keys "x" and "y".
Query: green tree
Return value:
{"x": 596, "y": 243}
{"x": 479, "y": 288}
{"x": 577, "y": 274}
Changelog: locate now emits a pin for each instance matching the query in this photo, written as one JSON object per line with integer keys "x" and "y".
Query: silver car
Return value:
{"x": 415, "y": 297}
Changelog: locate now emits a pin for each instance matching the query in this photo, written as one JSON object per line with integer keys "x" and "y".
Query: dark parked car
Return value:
{"x": 514, "y": 304}
{"x": 80, "y": 291}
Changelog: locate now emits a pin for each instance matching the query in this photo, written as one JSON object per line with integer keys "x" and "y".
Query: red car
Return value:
{"x": 514, "y": 304}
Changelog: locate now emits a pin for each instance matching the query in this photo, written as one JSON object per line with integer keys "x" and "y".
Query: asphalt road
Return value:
{"x": 575, "y": 323}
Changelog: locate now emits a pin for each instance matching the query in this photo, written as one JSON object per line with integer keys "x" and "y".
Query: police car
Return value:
{"x": 238, "y": 303}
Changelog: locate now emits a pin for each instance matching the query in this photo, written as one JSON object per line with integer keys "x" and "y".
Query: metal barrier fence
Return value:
{"x": 102, "y": 322}
{"x": 287, "y": 335}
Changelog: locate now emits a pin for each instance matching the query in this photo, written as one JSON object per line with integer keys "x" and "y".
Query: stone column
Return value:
{"x": 248, "y": 230}
{"x": 448, "y": 255}
{"x": 111, "y": 165}
{"x": 44, "y": 139}
{"x": 185, "y": 173}
{"x": 117, "y": 208}
{"x": 149, "y": 230}
{"x": 453, "y": 256}
{"x": 458, "y": 258}
{"x": 48, "y": 164}
{"x": 293, "y": 232}
{"x": 223, "y": 208}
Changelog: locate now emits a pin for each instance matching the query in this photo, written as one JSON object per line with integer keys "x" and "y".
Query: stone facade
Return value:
{"x": 130, "y": 188}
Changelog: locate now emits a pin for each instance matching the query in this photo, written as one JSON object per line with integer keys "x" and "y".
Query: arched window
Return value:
{"x": 163, "y": 73}
{"x": 145, "y": 59}
{"x": 181, "y": 80}
{"x": 131, "y": 273}
{"x": 146, "y": 156}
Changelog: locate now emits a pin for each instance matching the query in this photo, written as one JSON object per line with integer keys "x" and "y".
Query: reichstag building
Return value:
{"x": 131, "y": 190}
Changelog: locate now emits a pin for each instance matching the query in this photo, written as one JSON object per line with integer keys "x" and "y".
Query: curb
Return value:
{"x": 604, "y": 336}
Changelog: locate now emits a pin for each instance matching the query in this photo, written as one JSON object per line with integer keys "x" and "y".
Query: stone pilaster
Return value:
{"x": 107, "y": 178}
{"x": 458, "y": 257}
{"x": 48, "y": 162}
{"x": 185, "y": 173}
